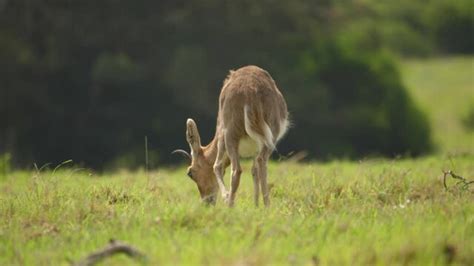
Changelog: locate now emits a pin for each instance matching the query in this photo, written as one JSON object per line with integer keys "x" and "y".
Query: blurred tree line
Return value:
{"x": 87, "y": 80}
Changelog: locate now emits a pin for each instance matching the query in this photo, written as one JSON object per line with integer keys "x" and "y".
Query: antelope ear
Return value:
{"x": 192, "y": 136}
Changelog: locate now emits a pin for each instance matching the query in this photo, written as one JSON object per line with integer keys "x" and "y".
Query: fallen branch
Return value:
{"x": 114, "y": 247}
{"x": 462, "y": 181}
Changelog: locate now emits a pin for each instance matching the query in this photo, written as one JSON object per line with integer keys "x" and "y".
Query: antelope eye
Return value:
{"x": 190, "y": 174}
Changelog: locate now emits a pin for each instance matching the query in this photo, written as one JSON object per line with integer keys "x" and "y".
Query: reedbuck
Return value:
{"x": 252, "y": 118}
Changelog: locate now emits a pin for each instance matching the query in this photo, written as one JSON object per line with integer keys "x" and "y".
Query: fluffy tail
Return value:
{"x": 257, "y": 128}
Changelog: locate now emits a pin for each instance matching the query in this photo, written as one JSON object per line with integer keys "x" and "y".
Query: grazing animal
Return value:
{"x": 252, "y": 118}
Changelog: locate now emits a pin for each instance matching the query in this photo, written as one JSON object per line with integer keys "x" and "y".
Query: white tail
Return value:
{"x": 266, "y": 139}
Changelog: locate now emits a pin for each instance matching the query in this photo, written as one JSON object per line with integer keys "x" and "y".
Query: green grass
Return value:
{"x": 369, "y": 212}
{"x": 376, "y": 211}
{"x": 444, "y": 89}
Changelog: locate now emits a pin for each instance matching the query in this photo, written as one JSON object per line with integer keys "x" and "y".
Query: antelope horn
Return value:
{"x": 182, "y": 152}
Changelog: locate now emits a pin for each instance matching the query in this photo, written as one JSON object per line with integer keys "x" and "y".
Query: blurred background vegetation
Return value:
{"x": 88, "y": 80}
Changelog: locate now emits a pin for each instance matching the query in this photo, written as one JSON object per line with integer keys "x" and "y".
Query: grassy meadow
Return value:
{"x": 372, "y": 211}
{"x": 444, "y": 89}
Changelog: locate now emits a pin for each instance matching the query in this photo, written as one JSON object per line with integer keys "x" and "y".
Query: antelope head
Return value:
{"x": 201, "y": 168}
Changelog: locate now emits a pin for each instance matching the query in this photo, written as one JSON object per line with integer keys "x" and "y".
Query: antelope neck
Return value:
{"x": 210, "y": 151}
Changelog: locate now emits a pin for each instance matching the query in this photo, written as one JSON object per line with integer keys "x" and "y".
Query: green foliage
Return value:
{"x": 451, "y": 24}
{"x": 91, "y": 84}
{"x": 115, "y": 69}
{"x": 393, "y": 35}
{"x": 358, "y": 105}
{"x": 383, "y": 212}
{"x": 443, "y": 88}
{"x": 409, "y": 27}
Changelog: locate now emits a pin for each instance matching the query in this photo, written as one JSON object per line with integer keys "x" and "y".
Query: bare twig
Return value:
{"x": 462, "y": 181}
{"x": 293, "y": 156}
{"x": 61, "y": 164}
{"x": 114, "y": 247}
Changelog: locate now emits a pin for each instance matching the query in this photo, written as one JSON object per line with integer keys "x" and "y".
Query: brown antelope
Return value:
{"x": 252, "y": 118}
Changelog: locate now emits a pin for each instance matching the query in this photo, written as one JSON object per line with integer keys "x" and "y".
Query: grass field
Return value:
{"x": 367, "y": 212}
{"x": 375, "y": 211}
{"x": 444, "y": 89}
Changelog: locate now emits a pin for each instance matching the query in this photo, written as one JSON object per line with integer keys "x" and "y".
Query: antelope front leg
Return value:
{"x": 232, "y": 145}
{"x": 219, "y": 172}
{"x": 219, "y": 168}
